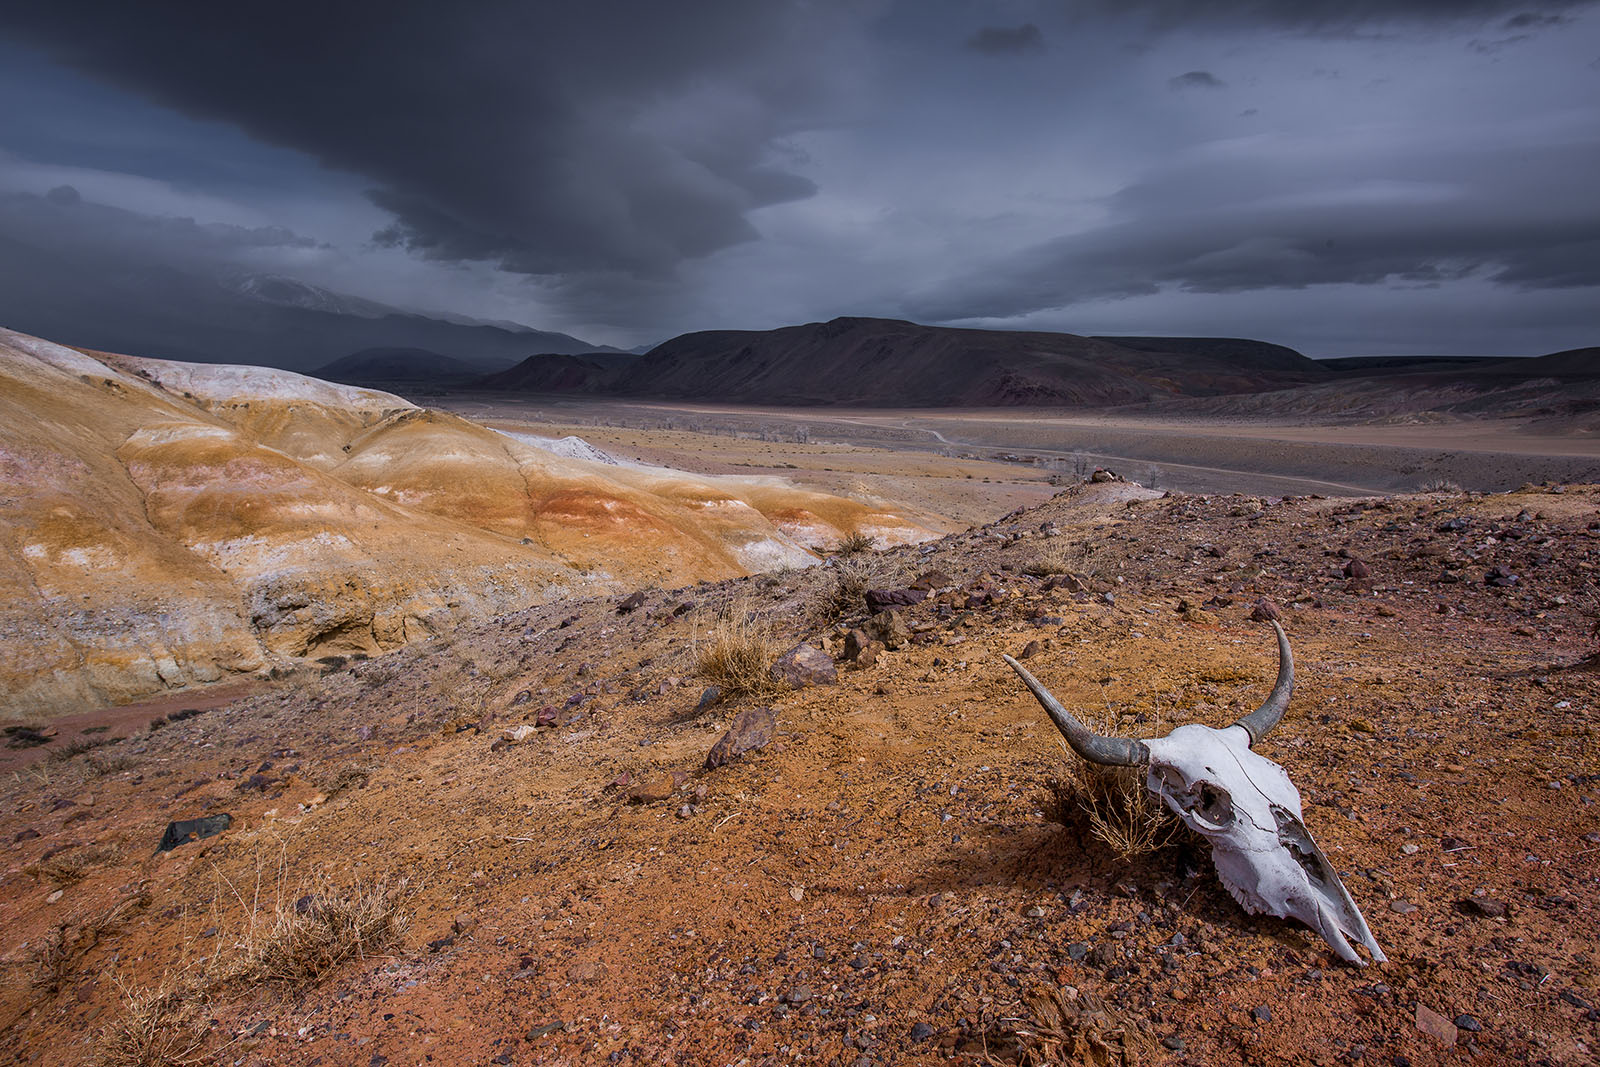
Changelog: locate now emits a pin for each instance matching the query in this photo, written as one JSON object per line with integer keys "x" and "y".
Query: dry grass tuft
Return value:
{"x": 1054, "y": 558}
{"x": 1122, "y": 813}
{"x": 841, "y": 588}
{"x": 71, "y": 866}
{"x": 307, "y": 937}
{"x": 1439, "y": 485}
{"x": 159, "y": 1027}
{"x": 350, "y": 776}
{"x": 855, "y": 543}
{"x": 737, "y": 655}
{"x": 1113, "y": 804}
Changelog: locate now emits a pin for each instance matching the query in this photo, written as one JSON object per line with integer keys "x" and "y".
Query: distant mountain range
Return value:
{"x": 890, "y": 363}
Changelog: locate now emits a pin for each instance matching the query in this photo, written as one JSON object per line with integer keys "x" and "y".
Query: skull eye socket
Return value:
{"x": 1209, "y": 805}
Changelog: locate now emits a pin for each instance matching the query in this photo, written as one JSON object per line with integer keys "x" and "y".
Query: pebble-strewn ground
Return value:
{"x": 886, "y": 881}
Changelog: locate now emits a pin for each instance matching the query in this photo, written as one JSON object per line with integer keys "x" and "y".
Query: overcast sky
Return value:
{"x": 1343, "y": 176}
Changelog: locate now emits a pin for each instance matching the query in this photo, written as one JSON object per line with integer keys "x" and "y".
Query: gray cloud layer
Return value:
{"x": 638, "y": 168}
{"x": 615, "y": 135}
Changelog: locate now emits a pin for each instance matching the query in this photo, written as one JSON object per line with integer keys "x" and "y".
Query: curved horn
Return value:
{"x": 1111, "y": 751}
{"x": 1261, "y": 721}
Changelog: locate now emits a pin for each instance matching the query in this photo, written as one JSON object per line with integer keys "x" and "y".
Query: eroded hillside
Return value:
{"x": 169, "y": 524}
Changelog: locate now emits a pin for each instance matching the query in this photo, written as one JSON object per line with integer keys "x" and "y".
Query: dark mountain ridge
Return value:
{"x": 893, "y": 363}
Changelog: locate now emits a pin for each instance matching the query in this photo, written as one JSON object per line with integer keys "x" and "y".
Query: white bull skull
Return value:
{"x": 1243, "y": 803}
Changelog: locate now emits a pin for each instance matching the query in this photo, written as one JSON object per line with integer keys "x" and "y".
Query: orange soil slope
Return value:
{"x": 166, "y": 524}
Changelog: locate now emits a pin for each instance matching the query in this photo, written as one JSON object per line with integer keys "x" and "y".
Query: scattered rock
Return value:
{"x": 884, "y": 599}
{"x": 751, "y": 730}
{"x": 518, "y": 734}
{"x": 928, "y": 581}
{"x": 631, "y": 603}
{"x": 1264, "y": 610}
{"x": 921, "y": 1032}
{"x": 1468, "y": 1023}
{"x": 888, "y": 627}
{"x": 1433, "y": 1024}
{"x": 1483, "y": 907}
{"x": 1500, "y": 578}
{"x": 1402, "y": 907}
{"x": 1261, "y": 1014}
{"x": 185, "y": 830}
{"x": 710, "y": 697}
{"x": 1357, "y": 569}
{"x": 805, "y": 665}
{"x": 546, "y": 716}
{"x": 799, "y": 994}
{"x": 1031, "y": 649}
{"x": 652, "y": 790}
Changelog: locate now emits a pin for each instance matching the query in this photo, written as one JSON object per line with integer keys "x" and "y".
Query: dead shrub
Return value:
{"x": 1438, "y": 485}
{"x": 72, "y": 865}
{"x": 1054, "y": 558}
{"x": 308, "y": 936}
{"x": 350, "y": 776}
{"x": 159, "y": 1027}
{"x": 737, "y": 655}
{"x": 841, "y": 587}
{"x": 1113, "y": 805}
{"x": 855, "y": 543}
{"x": 101, "y": 765}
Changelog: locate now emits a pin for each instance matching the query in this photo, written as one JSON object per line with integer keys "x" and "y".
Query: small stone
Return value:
{"x": 1363, "y": 726}
{"x": 1483, "y": 907}
{"x": 751, "y": 730}
{"x": 518, "y": 734}
{"x": 1435, "y": 1025}
{"x": 1077, "y": 950}
{"x": 1357, "y": 569}
{"x": 921, "y": 1031}
{"x": 709, "y": 697}
{"x": 630, "y": 604}
{"x": 1262, "y": 1014}
{"x": 890, "y": 628}
{"x": 797, "y": 893}
{"x": 799, "y": 994}
{"x": 652, "y": 790}
{"x": 1402, "y": 907}
{"x": 1034, "y": 912}
{"x": 1031, "y": 649}
{"x": 1408, "y": 849}
{"x": 1468, "y": 1023}
{"x": 53, "y": 897}
{"x": 1173, "y": 1043}
{"x": 805, "y": 665}
{"x": 884, "y": 599}
{"x": 1264, "y": 610}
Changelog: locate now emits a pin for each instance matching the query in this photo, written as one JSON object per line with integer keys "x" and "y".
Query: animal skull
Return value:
{"x": 1243, "y": 803}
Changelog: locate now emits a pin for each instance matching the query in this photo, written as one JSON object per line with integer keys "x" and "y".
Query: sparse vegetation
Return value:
{"x": 841, "y": 588}
{"x": 1438, "y": 485}
{"x": 854, "y": 543}
{"x": 737, "y": 655}
{"x": 350, "y": 776}
{"x": 312, "y": 933}
{"x": 1054, "y": 558}
{"x": 71, "y": 866}
{"x": 159, "y": 1027}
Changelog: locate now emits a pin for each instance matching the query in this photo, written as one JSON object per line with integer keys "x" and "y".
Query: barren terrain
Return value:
{"x": 892, "y": 879}
{"x": 1263, "y": 454}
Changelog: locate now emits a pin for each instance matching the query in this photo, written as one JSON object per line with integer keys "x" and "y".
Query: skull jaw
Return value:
{"x": 1249, "y": 810}
{"x": 1272, "y": 883}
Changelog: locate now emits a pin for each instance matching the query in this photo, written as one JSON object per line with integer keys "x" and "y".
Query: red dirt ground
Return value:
{"x": 887, "y": 881}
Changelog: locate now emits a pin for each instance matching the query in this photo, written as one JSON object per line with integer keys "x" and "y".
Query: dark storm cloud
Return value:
{"x": 1329, "y": 15}
{"x": 1196, "y": 79}
{"x": 621, "y": 135}
{"x": 1233, "y": 232}
{"x": 1006, "y": 40}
